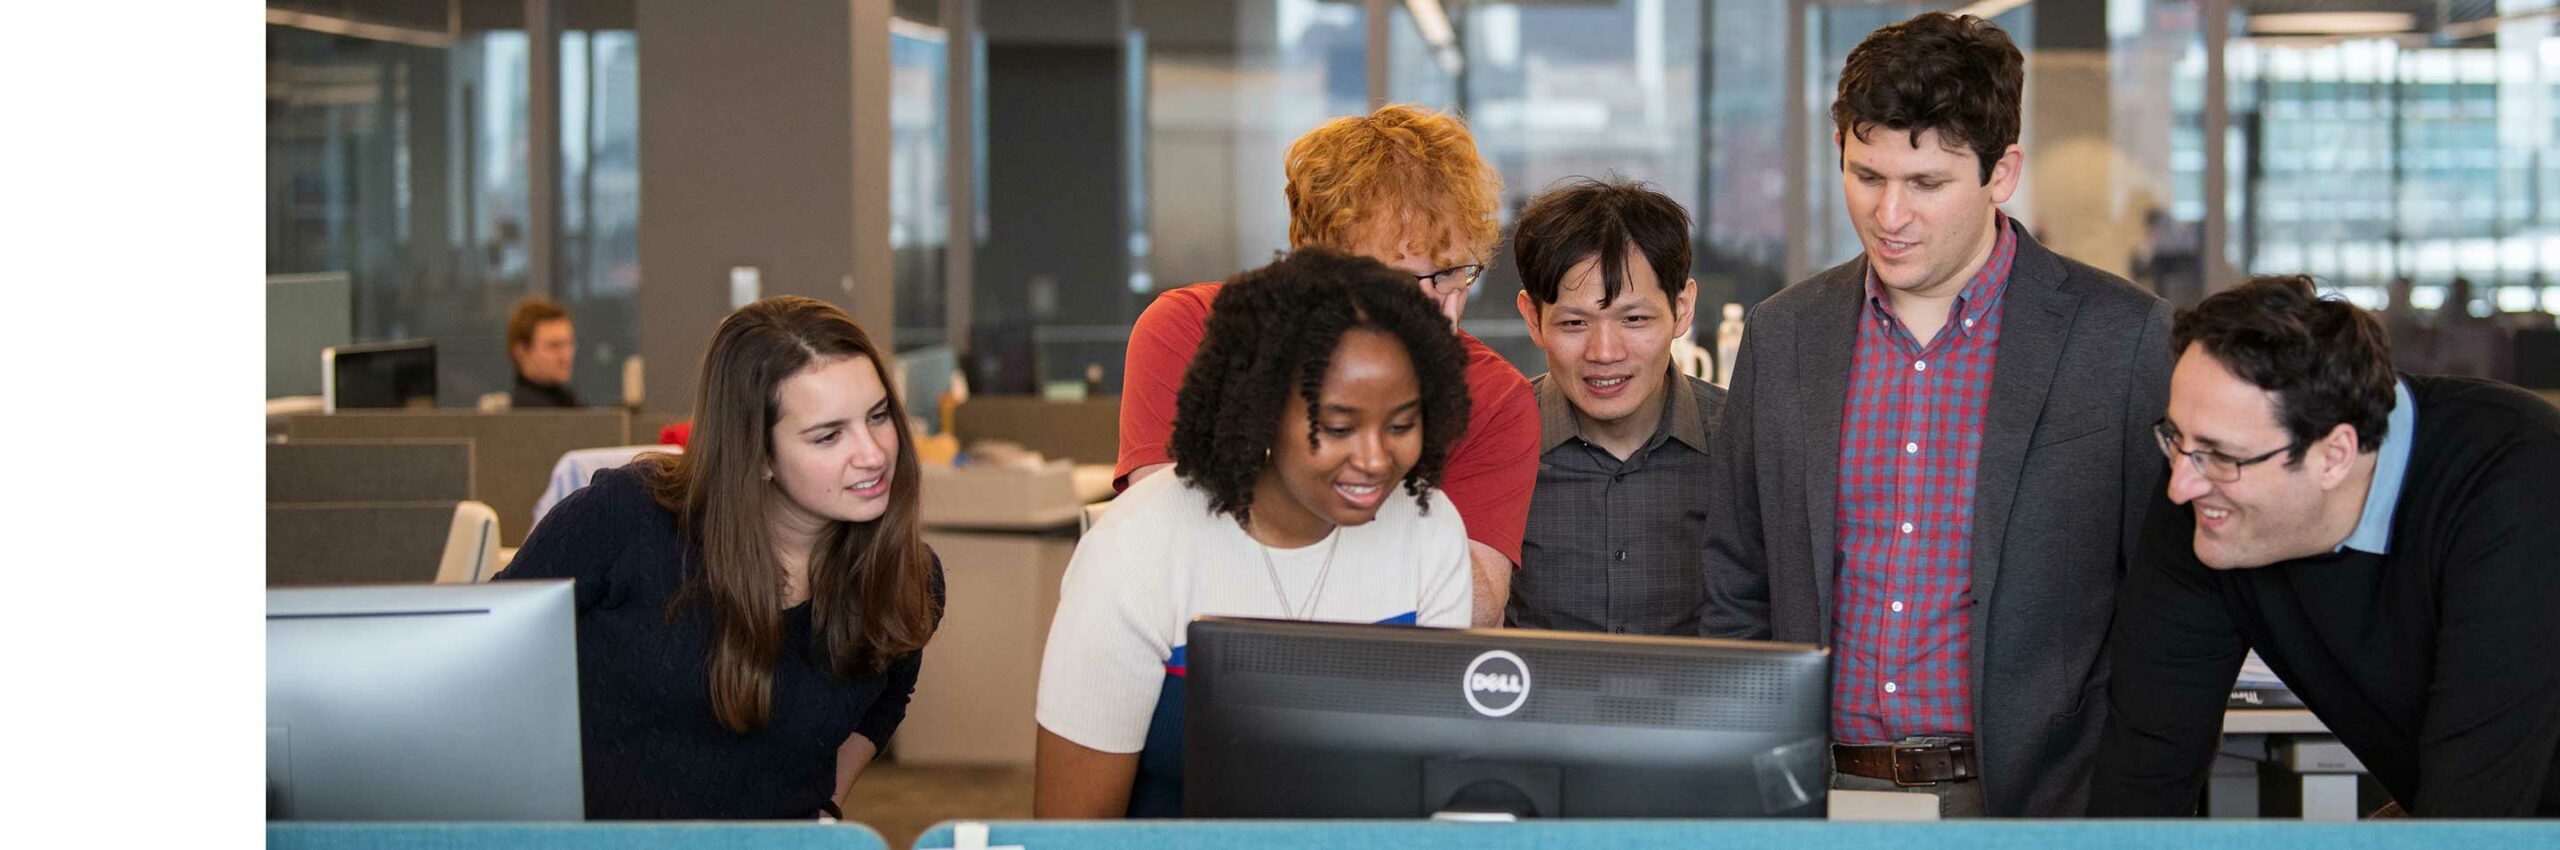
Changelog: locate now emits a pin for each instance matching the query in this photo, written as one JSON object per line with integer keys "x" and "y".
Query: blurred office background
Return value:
{"x": 1012, "y": 180}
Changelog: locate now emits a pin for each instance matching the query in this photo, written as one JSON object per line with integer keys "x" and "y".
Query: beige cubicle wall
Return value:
{"x": 511, "y": 453}
{"x": 973, "y": 699}
{"x": 1085, "y": 431}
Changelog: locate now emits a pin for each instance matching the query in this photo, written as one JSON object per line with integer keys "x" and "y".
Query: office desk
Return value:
{"x": 2291, "y": 739}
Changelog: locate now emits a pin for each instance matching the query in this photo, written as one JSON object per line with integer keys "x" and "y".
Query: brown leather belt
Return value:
{"x": 1909, "y": 763}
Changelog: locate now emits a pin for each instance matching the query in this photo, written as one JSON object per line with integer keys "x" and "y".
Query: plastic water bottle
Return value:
{"x": 1728, "y": 343}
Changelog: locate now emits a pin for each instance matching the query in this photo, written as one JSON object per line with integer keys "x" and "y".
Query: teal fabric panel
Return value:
{"x": 573, "y": 836}
{"x": 1754, "y": 835}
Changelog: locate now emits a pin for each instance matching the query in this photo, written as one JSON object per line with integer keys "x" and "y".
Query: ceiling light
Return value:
{"x": 2332, "y": 23}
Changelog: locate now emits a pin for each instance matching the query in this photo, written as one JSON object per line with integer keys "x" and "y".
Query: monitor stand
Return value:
{"x": 1475, "y": 790}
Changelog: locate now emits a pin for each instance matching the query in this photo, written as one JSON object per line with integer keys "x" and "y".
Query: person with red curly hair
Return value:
{"x": 1403, "y": 186}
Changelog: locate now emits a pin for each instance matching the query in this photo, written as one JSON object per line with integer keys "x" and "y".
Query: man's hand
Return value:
{"x": 1452, "y": 305}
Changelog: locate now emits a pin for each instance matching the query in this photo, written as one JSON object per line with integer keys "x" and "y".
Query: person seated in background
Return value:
{"x": 751, "y": 614}
{"x": 544, "y": 345}
{"x": 1316, "y": 425}
{"x": 1619, "y": 516}
{"x": 2466, "y": 345}
{"x": 1403, "y": 186}
{"x": 2380, "y": 539}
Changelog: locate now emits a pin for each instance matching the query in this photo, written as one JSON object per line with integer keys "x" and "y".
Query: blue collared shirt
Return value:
{"x": 2373, "y": 530}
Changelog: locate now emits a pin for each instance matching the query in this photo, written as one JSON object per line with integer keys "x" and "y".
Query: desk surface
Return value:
{"x": 2272, "y": 721}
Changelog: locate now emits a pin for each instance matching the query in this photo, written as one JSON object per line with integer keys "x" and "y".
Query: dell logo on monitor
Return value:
{"x": 1496, "y": 684}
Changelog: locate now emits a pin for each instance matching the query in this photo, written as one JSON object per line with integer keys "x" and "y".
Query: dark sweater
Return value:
{"x": 652, "y": 746}
{"x": 2438, "y": 664}
{"x": 526, "y": 394}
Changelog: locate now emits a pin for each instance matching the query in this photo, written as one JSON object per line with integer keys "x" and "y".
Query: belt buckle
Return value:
{"x": 1893, "y": 761}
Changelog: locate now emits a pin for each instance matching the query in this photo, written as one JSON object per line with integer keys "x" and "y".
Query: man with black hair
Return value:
{"x": 2382, "y": 540}
{"x": 1619, "y": 513}
{"x": 1936, "y": 457}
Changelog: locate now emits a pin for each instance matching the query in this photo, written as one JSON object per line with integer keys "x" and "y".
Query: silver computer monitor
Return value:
{"x": 423, "y": 703}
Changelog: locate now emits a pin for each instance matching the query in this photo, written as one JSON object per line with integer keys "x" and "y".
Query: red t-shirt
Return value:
{"x": 1491, "y": 472}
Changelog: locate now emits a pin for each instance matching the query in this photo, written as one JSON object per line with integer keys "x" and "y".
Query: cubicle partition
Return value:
{"x": 327, "y": 543}
{"x": 1085, "y": 431}
{"x": 511, "y": 453}
{"x": 973, "y": 700}
{"x": 646, "y": 424}
{"x": 1736, "y": 835}
{"x": 400, "y": 470}
{"x": 572, "y": 836}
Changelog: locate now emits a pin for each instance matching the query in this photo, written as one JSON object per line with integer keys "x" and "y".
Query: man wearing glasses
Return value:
{"x": 1935, "y": 458}
{"x": 1403, "y": 186}
{"x": 2389, "y": 544}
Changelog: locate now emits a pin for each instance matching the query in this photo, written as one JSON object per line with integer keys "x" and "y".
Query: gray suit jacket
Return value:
{"x": 2067, "y": 469}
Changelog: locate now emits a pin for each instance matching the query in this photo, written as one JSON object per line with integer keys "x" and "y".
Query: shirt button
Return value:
{"x": 1911, "y": 448}
{"x": 1906, "y": 528}
{"x": 1968, "y": 323}
{"x": 1617, "y": 628}
{"x": 1897, "y": 606}
{"x": 1622, "y": 554}
{"x": 1618, "y": 477}
{"x": 1921, "y": 366}
{"x": 1888, "y": 687}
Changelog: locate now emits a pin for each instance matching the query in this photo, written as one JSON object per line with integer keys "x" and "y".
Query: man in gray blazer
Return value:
{"x": 1935, "y": 458}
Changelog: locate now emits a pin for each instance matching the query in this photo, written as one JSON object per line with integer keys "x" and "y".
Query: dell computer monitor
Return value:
{"x": 1286, "y": 719}
{"x": 386, "y": 374}
{"x": 423, "y": 703}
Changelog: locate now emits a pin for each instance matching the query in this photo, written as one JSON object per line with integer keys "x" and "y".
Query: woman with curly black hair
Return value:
{"x": 1325, "y": 385}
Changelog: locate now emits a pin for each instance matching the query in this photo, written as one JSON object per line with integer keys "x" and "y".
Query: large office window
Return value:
{"x": 1557, "y": 91}
{"x": 2369, "y": 160}
{"x": 1129, "y": 148}
{"x": 396, "y": 155}
{"x": 1131, "y": 152}
{"x": 398, "y": 145}
{"x": 919, "y": 180}
{"x": 598, "y": 258}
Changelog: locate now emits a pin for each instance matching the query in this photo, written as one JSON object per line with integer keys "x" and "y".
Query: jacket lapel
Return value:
{"x": 1826, "y": 347}
{"x": 2034, "y": 326}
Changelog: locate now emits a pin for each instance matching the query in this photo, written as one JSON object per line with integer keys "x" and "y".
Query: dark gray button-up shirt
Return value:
{"x": 1615, "y": 545}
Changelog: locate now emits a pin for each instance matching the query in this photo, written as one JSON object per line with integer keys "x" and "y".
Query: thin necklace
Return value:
{"x": 1313, "y": 593}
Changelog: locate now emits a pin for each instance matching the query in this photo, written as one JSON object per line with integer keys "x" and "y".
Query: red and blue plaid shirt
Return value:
{"x": 1909, "y": 438}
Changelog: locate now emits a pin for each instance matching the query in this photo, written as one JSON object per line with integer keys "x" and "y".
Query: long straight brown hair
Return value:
{"x": 870, "y": 583}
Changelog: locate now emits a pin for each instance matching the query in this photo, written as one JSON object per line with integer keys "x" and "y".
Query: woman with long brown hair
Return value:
{"x": 751, "y": 613}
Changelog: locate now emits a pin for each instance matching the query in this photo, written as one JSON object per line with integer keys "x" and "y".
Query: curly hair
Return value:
{"x": 1957, "y": 74}
{"x": 1273, "y": 330}
{"x": 2326, "y": 361}
{"x": 1398, "y": 162}
{"x": 528, "y": 315}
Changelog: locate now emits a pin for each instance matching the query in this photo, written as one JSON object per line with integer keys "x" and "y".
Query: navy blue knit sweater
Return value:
{"x": 653, "y": 748}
